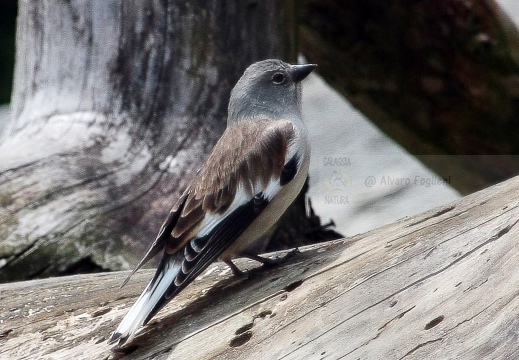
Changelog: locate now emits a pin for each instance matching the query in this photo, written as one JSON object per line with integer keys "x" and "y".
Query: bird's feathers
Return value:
{"x": 222, "y": 212}
{"x": 163, "y": 236}
{"x": 236, "y": 183}
{"x": 249, "y": 157}
{"x": 177, "y": 270}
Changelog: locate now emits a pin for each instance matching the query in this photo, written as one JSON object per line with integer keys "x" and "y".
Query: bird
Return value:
{"x": 254, "y": 172}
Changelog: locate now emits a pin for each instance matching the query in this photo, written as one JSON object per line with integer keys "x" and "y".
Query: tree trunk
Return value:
{"x": 439, "y": 285}
{"x": 115, "y": 106}
{"x": 439, "y": 77}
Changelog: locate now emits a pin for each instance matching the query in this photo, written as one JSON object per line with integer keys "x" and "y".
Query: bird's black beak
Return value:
{"x": 299, "y": 72}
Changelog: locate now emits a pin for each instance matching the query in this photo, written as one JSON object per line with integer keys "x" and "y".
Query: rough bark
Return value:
{"x": 439, "y": 285}
{"x": 115, "y": 105}
{"x": 439, "y": 77}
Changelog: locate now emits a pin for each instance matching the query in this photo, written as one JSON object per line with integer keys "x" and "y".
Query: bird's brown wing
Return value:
{"x": 248, "y": 165}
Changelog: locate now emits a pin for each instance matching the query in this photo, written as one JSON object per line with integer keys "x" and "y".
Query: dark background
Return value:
{"x": 7, "y": 35}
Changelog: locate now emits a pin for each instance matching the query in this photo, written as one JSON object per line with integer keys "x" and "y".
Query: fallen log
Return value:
{"x": 442, "y": 284}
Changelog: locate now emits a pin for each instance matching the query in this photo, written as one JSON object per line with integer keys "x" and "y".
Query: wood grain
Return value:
{"x": 115, "y": 106}
{"x": 440, "y": 285}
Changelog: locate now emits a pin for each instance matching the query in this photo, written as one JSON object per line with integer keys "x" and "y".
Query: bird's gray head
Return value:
{"x": 268, "y": 88}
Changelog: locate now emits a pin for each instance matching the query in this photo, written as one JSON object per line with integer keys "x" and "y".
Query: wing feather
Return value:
{"x": 242, "y": 164}
{"x": 247, "y": 157}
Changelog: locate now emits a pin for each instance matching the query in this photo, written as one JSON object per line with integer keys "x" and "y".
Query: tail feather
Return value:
{"x": 152, "y": 299}
{"x": 177, "y": 270}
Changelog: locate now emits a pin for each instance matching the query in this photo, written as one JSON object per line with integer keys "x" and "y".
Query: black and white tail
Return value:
{"x": 179, "y": 269}
{"x": 158, "y": 292}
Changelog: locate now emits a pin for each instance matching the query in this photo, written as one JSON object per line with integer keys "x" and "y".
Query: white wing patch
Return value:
{"x": 272, "y": 189}
{"x": 241, "y": 198}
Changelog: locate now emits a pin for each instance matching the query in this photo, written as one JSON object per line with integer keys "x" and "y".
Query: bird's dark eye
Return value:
{"x": 278, "y": 78}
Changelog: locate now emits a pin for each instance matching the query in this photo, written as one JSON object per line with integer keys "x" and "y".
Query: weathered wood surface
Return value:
{"x": 115, "y": 106}
{"x": 440, "y": 285}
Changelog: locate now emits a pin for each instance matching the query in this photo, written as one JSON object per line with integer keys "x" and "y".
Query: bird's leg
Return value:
{"x": 267, "y": 262}
{"x": 235, "y": 270}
